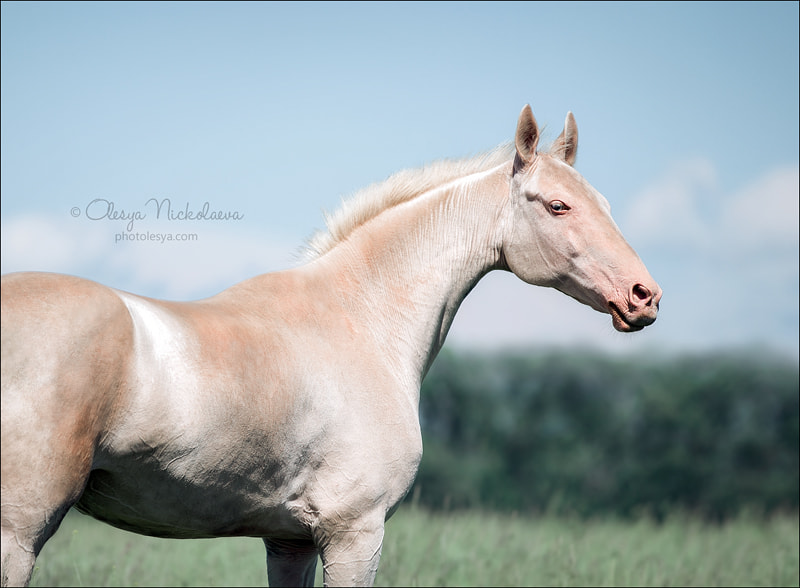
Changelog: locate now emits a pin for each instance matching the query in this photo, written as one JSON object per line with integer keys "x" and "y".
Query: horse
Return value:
{"x": 286, "y": 406}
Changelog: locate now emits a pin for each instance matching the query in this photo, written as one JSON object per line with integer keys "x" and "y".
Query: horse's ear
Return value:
{"x": 526, "y": 139}
{"x": 566, "y": 146}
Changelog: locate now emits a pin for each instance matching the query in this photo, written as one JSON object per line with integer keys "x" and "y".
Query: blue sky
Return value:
{"x": 688, "y": 118}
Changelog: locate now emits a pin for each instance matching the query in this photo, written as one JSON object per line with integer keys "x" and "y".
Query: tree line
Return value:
{"x": 586, "y": 434}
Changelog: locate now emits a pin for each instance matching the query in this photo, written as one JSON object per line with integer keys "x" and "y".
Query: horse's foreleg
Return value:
{"x": 350, "y": 557}
{"x": 291, "y": 563}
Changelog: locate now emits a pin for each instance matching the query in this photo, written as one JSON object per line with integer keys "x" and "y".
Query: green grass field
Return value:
{"x": 457, "y": 549}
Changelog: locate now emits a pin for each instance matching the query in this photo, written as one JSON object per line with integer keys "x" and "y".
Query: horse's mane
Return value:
{"x": 400, "y": 187}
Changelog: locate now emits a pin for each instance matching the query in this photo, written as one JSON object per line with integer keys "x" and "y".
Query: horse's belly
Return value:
{"x": 160, "y": 506}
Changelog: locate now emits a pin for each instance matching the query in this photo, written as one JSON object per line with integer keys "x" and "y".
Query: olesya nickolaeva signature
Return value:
{"x": 103, "y": 209}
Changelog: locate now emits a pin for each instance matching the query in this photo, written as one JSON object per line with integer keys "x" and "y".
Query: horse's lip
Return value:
{"x": 620, "y": 322}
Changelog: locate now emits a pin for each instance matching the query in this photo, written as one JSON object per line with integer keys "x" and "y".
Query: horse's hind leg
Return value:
{"x": 17, "y": 560}
{"x": 44, "y": 471}
{"x": 66, "y": 346}
{"x": 26, "y": 526}
{"x": 29, "y": 519}
{"x": 40, "y": 482}
{"x": 291, "y": 563}
{"x": 20, "y": 546}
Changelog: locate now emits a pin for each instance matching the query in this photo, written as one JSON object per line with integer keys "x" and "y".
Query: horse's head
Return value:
{"x": 563, "y": 235}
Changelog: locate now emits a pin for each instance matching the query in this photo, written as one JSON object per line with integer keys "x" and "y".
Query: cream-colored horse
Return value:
{"x": 286, "y": 407}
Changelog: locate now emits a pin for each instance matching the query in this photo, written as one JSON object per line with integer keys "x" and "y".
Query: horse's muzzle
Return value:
{"x": 640, "y": 310}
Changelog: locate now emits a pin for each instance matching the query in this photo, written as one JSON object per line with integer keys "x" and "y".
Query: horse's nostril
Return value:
{"x": 641, "y": 295}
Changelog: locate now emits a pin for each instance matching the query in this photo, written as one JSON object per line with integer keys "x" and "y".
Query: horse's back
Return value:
{"x": 66, "y": 343}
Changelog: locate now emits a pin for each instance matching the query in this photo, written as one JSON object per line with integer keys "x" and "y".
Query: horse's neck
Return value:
{"x": 412, "y": 266}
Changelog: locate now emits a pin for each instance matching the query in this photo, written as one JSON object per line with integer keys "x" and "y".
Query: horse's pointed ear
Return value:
{"x": 566, "y": 146}
{"x": 526, "y": 139}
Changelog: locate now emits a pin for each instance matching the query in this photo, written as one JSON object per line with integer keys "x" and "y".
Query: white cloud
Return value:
{"x": 765, "y": 214}
{"x": 218, "y": 257}
{"x": 685, "y": 209}
{"x": 670, "y": 209}
{"x": 731, "y": 277}
{"x": 45, "y": 243}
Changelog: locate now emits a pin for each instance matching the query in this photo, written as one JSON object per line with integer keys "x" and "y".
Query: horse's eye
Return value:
{"x": 558, "y": 207}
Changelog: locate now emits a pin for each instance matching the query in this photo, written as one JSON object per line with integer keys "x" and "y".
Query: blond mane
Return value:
{"x": 400, "y": 187}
